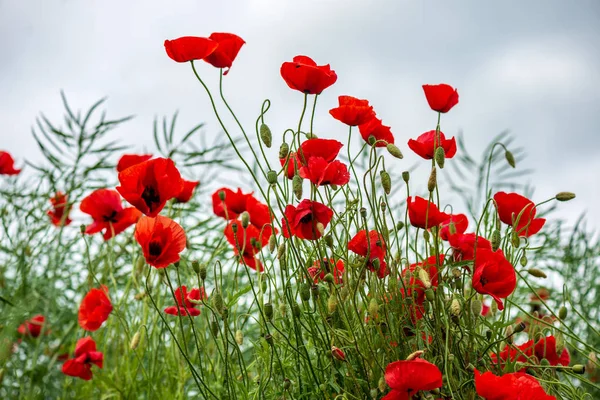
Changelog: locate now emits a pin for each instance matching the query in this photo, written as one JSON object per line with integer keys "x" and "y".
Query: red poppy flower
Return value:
{"x": 32, "y": 327}
{"x": 546, "y": 348}
{"x": 406, "y": 378}
{"x": 441, "y": 98}
{"x": 188, "y": 48}
{"x": 150, "y": 184}
{"x": 161, "y": 239}
{"x": 338, "y": 354}
{"x": 233, "y": 205}
{"x": 327, "y": 149}
{"x": 322, "y": 173}
{"x": 128, "y": 160}
{"x": 7, "y": 164}
{"x": 292, "y": 164}
{"x": 303, "y": 220}
{"x": 512, "y": 353}
{"x": 229, "y": 46}
{"x": 184, "y": 301}
{"x": 304, "y": 75}
{"x": 352, "y": 111}
{"x": 514, "y": 386}
{"x": 464, "y": 245}
{"x": 187, "y": 191}
{"x": 326, "y": 266}
{"x": 105, "y": 208}
{"x": 94, "y": 309}
{"x": 493, "y": 275}
{"x": 86, "y": 355}
{"x": 519, "y": 212}
{"x": 59, "y": 215}
{"x": 460, "y": 223}
{"x": 424, "y": 214}
{"x": 260, "y": 215}
{"x": 249, "y": 242}
{"x": 371, "y": 246}
{"x": 426, "y": 144}
{"x": 382, "y": 134}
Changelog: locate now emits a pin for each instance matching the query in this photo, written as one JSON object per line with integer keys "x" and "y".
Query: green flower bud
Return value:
{"x": 520, "y": 327}
{"x": 496, "y": 238}
{"x": 579, "y": 369}
{"x": 82, "y": 229}
{"x": 476, "y": 307}
{"x": 406, "y": 176}
{"x": 265, "y": 135}
{"x": 202, "y": 272}
{"x": 538, "y": 273}
{"x": 271, "y": 177}
{"x": 386, "y": 182}
{"x": 284, "y": 149}
{"x": 245, "y": 219}
{"x": 268, "y": 309}
{"x": 222, "y": 195}
{"x": 281, "y": 250}
{"x": 440, "y": 156}
{"x": 394, "y": 150}
{"x": 214, "y": 327}
{"x": 363, "y": 212}
{"x": 328, "y": 240}
{"x": 515, "y": 239}
{"x": 297, "y": 186}
{"x": 272, "y": 243}
{"x": 373, "y": 308}
{"x": 305, "y": 292}
{"x": 523, "y": 261}
{"x": 331, "y": 304}
{"x": 510, "y": 159}
{"x": 217, "y": 302}
{"x": 509, "y": 334}
{"x": 565, "y": 196}
{"x": 399, "y": 226}
{"x": 296, "y": 310}
{"x": 314, "y": 289}
{"x": 429, "y": 295}
{"x": 135, "y": 341}
{"x": 432, "y": 182}
{"x": 563, "y": 312}
{"x": 239, "y": 337}
{"x": 455, "y": 307}
{"x": 371, "y": 140}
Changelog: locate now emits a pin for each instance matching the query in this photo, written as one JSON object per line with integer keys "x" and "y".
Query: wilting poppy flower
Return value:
{"x": 7, "y": 164}
{"x": 426, "y": 144}
{"x": 247, "y": 243}
{"x": 161, "y": 239}
{"x": 307, "y": 220}
{"x": 424, "y": 214}
{"x": 352, "y": 111}
{"x": 546, "y": 348}
{"x": 517, "y": 386}
{"x": 188, "y": 48}
{"x": 371, "y": 246}
{"x": 85, "y": 356}
{"x": 233, "y": 205}
{"x": 32, "y": 327}
{"x": 94, "y": 309}
{"x": 150, "y": 184}
{"x": 494, "y": 275}
{"x": 338, "y": 354}
{"x": 458, "y": 221}
{"x": 184, "y": 302}
{"x": 304, "y": 75}
{"x": 128, "y": 160}
{"x": 406, "y": 378}
{"x": 59, "y": 215}
{"x": 382, "y": 134}
{"x": 441, "y": 98}
{"x": 229, "y": 46}
{"x": 187, "y": 191}
{"x": 464, "y": 245}
{"x": 519, "y": 212}
{"x": 327, "y": 266}
{"x": 105, "y": 208}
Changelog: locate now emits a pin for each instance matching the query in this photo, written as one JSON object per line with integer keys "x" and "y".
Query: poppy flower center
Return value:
{"x": 111, "y": 217}
{"x": 483, "y": 281}
{"x": 150, "y": 196}
{"x": 155, "y": 249}
{"x": 306, "y": 219}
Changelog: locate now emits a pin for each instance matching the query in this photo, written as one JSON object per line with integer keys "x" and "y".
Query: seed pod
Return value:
{"x": 222, "y": 195}
{"x": 271, "y": 177}
{"x": 579, "y": 369}
{"x": 432, "y": 182}
{"x": 456, "y": 273}
{"x": 406, "y": 176}
{"x": 305, "y": 292}
{"x": 510, "y": 159}
{"x": 297, "y": 186}
{"x": 476, "y": 307}
{"x": 440, "y": 156}
{"x": 383, "y": 206}
{"x": 363, "y": 212}
{"x": 496, "y": 238}
{"x": 386, "y": 181}
{"x": 265, "y": 135}
{"x": 82, "y": 229}
{"x": 563, "y": 312}
{"x": 565, "y": 196}
{"x": 135, "y": 341}
{"x": 217, "y": 302}
{"x": 373, "y": 308}
{"x": 272, "y": 243}
{"x": 202, "y": 273}
{"x": 394, "y": 150}
{"x": 268, "y": 309}
{"x": 245, "y": 216}
{"x": 284, "y": 150}
{"x": 538, "y": 273}
{"x": 332, "y": 304}
{"x": 239, "y": 337}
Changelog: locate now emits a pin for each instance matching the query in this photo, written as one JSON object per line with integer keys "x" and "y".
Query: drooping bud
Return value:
{"x": 440, "y": 156}
{"x": 310, "y": 135}
{"x": 509, "y": 334}
{"x": 455, "y": 307}
{"x": 386, "y": 182}
{"x": 281, "y": 250}
{"x": 538, "y": 273}
{"x": 415, "y": 355}
{"x": 523, "y": 260}
{"x": 579, "y": 369}
{"x": 565, "y": 196}
{"x": 399, "y": 226}
{"x": 217, "y": 302}
{"x": 510, "y": 159}
{"x": 338, "y": 354}
{"x": 373, "y": 308}
{"x": 271, "y": 177}
{"x": 424, "y": 277}
{"x": 284, "y": 150}
{"x": 297, "y": 186}
{"x": 371, "y": 140}
{"x": 432, "y": 182}
{"x": 381, "y": 385}
{"x": 406, "y": 176}
{"x": 268, "y": 309}
{"x": 563, "y": 312}
{"x": 496, "y": 238}
{"x": 305, "y": 292}
{"x": 202, "y": 272}
{"x": 239, "y": 337}
{"x": 272, "y": 243}
{"x": 135, "y": 341}
{"x": 394, "y": 150}
{"x": 265, "y": 135}
{"x": 328, "y": 240}
{"x": 245, "y": 219}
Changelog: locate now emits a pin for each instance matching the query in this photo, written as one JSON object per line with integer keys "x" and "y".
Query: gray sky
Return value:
{"x": 529, "y": 66}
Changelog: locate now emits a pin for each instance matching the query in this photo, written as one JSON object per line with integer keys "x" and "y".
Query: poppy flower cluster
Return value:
{"x": 371, "y": 245}
{"x": 186, "y": 302}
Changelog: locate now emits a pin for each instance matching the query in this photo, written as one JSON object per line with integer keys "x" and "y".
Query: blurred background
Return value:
{"x": 532, "y": 68}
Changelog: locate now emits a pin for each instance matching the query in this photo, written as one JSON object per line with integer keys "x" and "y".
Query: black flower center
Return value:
{"x": 483, "y": 281}
{"x": 155, "y": 249}
{"x": 306, "y": 219}
{"x": 150, "y": 197}
{"x": 111, "y": 217}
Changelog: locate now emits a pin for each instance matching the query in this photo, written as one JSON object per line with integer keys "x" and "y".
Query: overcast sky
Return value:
{"x": 532, "y": 67}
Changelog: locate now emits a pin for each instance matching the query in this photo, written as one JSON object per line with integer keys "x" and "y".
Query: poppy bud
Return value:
{"x": 82, "y": 229}
{"x": 272, "y": 243}
{"x": 509, "y": 334}
{"x": 394, "y": 150}
{"x": 344, "y": 293}
{"x": 214, "y": 327}
{"x": 376, "y": 264}
{"x": 222, "y": 195}
{"x": 331, "y": 304}
{"x": 456, "y": 273}
{"x": 140, "y": 296}
{"x": 139, "y": 265}
{"x": 287, "y": 384}
{"x": 328, "y": 240}
{"x": 496, "y": 238}
{"x": 363, "y": 212}
{"x": 284, "y": 149}
{"x": 579, "y": 369}
{"x": 310, "y": 135}
{"x": 320, "y": 228}
{"x": 314, "y": 289}
{"x": 406, "y": 176}
{"x": 426, "y": 235}
{"x": 374, "y": 394}
{"x": 371, "y": 140}
{"x": 515, "y": 239}
{"x": 202, "y": 272}
{"x": 432, "y": 182}
{"x": 423, "y": 276}
{"x": 494, "y": 308}
{"x": 510, "y": 159}
{"x": 455, "y": 307}
{"x": 399, "y": 226}
{"x": 429, "y": 294}
{"x": 338, "y": 354}
{"x": 265, "y": 135}
{"x": 281, "y": 250}
{"x": 245, "y": 219}
{"x": 373, "y": 308}
{"x": 234, "y": 228}
{"x": 269, "y": 339}
{"x": 520, "y": 327}
{"x": 383, "y": 206}
{"x": 217, "y": 302}
{"x": 333, "y": 186}
{"x": 414, "y": 355}
{"x": 239, "y": 337}
{"x": 305, "y": 292}
{"x": 591, "y": 363}
{"x": 381, "y": 385}
{"x": 386, "y": 182}
{"x": 565, "y": 196}
{"x": 523, "y": 261}
{"x": 563, "y": 312}
{"x": 488, "y": 335}
{"x": 135, "y": 341}
{"x": 268, "y": 308}
{"x": 476, "y": 307}
{"x": 538, "y": 273}
{"x": 297, "y": 186}
{"x": 272, "y": 177}
{"x": 560, "y": 342}
{"x": 440, "y": 156}
{"x": 296, "y": 310}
